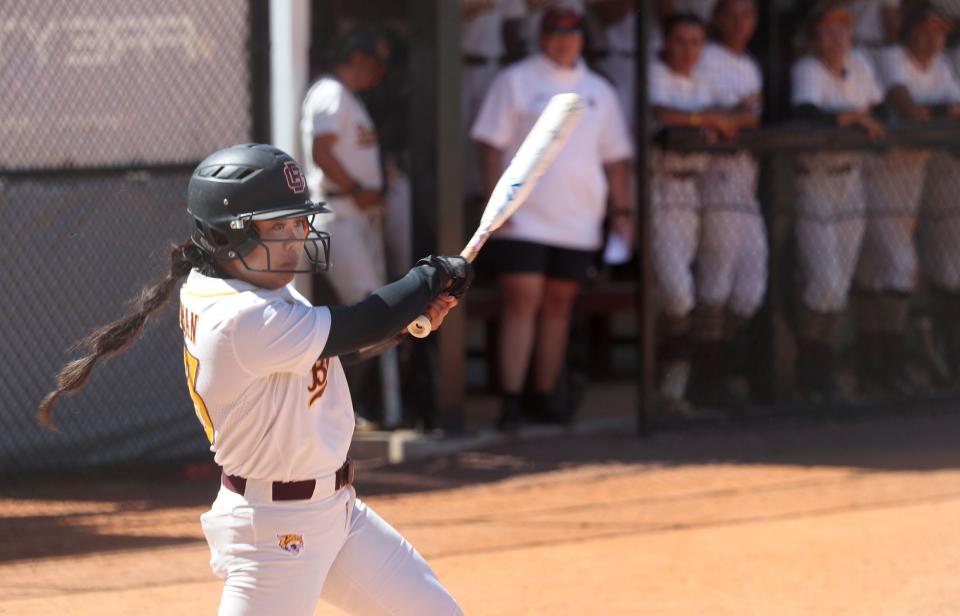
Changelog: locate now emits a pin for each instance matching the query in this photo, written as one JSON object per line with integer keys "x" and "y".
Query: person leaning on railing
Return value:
{"x": 832, "y": 86}
{"x": 919, "y": 87}
{"x": 681, "y": 98}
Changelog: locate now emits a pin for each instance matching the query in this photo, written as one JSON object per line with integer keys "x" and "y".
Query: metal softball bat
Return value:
{"x": 536, "y": 153}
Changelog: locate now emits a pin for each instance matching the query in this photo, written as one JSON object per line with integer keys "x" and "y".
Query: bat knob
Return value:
{"x": 420, "y": 328}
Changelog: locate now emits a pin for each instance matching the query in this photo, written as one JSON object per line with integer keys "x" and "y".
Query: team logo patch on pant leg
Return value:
{"x": 291, "y": 543}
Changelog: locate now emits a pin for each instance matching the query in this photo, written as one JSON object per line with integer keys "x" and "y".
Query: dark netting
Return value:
{"x": 77, "y": 250}
{"x": 135, "y": 92}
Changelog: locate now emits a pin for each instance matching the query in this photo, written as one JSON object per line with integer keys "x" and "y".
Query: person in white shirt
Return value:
{"x": 543, "y": 253}
{"x": 732, "y": 256}
{"x": 681, "y": 98}
{"x": 834, "y": 86}
{"x": 263, "y": 369}
{"x": 918, "y": 82}
{"x": 343, "y": 167}
{"x": 488, "y": 28}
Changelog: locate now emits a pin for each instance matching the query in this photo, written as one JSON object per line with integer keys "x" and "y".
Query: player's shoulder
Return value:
{"x": 228, "y": 297}
{"x": 325, "y": 90}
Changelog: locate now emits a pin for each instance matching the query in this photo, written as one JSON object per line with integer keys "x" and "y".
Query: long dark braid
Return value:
{"x": 115, "y": 337}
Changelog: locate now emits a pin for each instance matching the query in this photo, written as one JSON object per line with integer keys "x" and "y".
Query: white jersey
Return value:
{"x": 730, "y": 77}
{"x": 481, "y": 34}
{"x": 689, "y": 93}
{"x": 567, "y": 205}
{"x": 675, "y": 91}
{"x": 935, "y": 85}
{"x": 857, "y": 90}
{"x": 271, "y": 408}
{"x": 814, "y": 84}
{"x": 331, "y": 108}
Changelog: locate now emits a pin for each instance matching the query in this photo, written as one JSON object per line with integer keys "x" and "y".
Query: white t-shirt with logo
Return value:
{"x": 567, "y": 205}
{"x": 730, "y": 77}
{"x": 482, "y": 34}
{"x": 272, "y": 409}
{"x": 331, "y": 108}
{"x": 934, "y": 86}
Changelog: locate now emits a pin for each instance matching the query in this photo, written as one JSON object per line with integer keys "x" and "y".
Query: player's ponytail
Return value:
{"x": 115, "y": 337}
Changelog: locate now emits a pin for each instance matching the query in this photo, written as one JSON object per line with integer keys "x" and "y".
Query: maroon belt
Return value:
{"x": 293, "y": 490}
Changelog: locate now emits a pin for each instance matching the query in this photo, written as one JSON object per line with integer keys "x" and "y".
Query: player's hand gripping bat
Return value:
{"x": 537, "y": 151}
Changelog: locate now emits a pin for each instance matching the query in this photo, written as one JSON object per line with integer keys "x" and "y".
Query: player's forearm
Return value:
{"x": 901, "y": 101}
{"x": 675, "y": 118}
{"x": 385, "y": 313}
{"x": 617, "y": 173}
{"x": 332, "y": 169}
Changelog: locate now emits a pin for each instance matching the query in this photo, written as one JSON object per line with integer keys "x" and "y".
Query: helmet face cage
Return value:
{"x": 316, "y": 248}
{"x": 239, "y": 185}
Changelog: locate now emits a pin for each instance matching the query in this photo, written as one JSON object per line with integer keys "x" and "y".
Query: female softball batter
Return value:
{"x": 264, "y": 373}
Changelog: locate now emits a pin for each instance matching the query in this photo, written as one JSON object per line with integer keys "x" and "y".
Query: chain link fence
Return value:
{"x": 105, "y": 109}
{"x": 804, "y": 265}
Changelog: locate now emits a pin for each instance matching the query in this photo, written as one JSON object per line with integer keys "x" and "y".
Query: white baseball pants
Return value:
{"x": 732, "y": 258}
{"x": 283, "y": 557}
{"x": 894, "y": 184}
{"x": 829, "y": 209}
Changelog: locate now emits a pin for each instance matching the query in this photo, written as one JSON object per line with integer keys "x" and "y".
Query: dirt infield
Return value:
{"x": 800, "y": 516}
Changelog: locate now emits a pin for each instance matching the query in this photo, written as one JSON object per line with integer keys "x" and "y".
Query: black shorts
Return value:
{"x": 503, "y": 256}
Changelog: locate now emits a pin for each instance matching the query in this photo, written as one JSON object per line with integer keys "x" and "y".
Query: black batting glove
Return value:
{"x": 456, "y": 273}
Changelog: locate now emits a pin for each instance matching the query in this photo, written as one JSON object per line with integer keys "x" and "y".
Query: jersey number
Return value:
{"x": 190, "y": 366}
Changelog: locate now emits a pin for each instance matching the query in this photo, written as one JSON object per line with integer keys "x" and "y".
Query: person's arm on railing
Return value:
{"x": 844, "y": 119}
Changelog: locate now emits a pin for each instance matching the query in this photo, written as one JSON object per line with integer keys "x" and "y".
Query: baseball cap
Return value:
{"x": 560, "y": 21}
{"x": 368, "y": 40}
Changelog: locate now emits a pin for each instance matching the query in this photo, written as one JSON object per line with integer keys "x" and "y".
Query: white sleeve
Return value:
{"x": 805, "y": 87}
{"x": 951, "y": 87}
{"x": 496, "y": 121}
{"x": 280, "y": 337}
{"x": 615, "y": 142}
{"x": 891, "y": 71}
{"x": 659, "y": 86}
{"x": 326, "y": 110}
